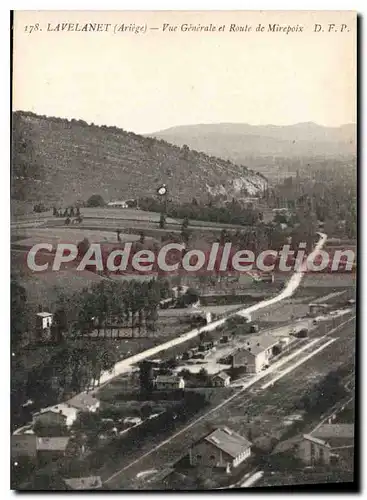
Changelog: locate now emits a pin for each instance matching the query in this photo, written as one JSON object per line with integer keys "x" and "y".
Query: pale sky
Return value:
{"x": 151, "y": 81}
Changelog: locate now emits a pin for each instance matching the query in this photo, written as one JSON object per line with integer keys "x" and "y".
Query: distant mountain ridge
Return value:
{"x": 56, "y": 160}
{"x": 240, "y": 141}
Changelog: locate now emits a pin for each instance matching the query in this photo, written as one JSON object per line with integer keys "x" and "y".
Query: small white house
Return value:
{"x": 43, "y": 325}
{"x": 117, "y": 204}
{"x": 44, "y": 319}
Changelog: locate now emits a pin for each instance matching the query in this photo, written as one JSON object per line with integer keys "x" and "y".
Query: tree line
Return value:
{"x": 331, "y": 200}
{"x": 77, "y": 360}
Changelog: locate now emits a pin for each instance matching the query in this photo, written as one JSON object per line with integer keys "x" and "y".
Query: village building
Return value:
{"x": 84, "y": 402}
{"x": 222, "y": 448}
{"x": 169, "y": 382}
{"x": 255, "y": 354}
{"x": 179, "y": 290}
{"x": 43, "y": 325}
{"x": 31, "y": 446}
{"x": 206, "y": 346}
{"x": 327, "y": 444}
{"x": 84, "y": 483}
{"x": 66, "y": 413}
{"x": 61, "y": 414}
{"x": 52, "y": 448}
{"x": 221, "y": 379}
{"x": 316, "y": 309}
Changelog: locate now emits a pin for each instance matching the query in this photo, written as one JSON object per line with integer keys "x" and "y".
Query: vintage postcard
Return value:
{"x": 183, "y": 250}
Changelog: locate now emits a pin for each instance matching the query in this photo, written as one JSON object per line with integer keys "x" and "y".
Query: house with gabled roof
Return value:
{"x": 221, "y": 379}
{"x": 222, "y": 448}
{"x": 84, "y": 402}
{"x": 255, "y": 353}
{"x": 326, "y": 444}
{"x": 52, "y": 447}
{"x": 60, "y": 414}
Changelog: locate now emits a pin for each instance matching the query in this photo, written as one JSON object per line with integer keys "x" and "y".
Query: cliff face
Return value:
{"x": 57, "y": 160}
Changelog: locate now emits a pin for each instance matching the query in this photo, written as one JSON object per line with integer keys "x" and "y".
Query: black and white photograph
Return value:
{"x": 183, "y": 250}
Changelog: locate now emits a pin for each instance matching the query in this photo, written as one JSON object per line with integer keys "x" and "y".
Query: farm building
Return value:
{"x": 222, "y": 448}
{"x": 326, "y": 444}
{"x": 256, "y": 353}
{"x": 221, "y": 379}
{"x": 169, "y": 382}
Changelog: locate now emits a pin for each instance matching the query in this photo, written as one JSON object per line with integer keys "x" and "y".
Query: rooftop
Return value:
{"x": 222, "y": 375}
{"x": 82, "y": 401}
{"x": 259, "y": 343}
{"x": 84, "y": 483}
{"x": 228, "y": 441}
{"x": 316, "y": 440}
{"x": 44, "y": 314}
{"x": 64, "y": 409}
{"x": 168, "y": 378}
{"x": 336, "y": 435}
{"x": 333, "y": 430}
{"x": 52, "y": 443}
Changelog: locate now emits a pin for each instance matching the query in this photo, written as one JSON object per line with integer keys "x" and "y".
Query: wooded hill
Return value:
{"x": 56, "y": 160}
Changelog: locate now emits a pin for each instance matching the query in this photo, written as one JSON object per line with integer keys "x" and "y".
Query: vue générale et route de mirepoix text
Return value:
{"x": 185, "y": 27}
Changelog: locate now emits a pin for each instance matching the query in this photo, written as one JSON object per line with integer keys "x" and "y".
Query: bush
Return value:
{"x": 277, "y": 350}
{"x": 96, "y": 200}
{"x": 39, "y": 208}
{"x": 302, "y": 333}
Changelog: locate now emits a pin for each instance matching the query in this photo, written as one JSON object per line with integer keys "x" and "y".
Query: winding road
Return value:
{"x": 125, "y": 365}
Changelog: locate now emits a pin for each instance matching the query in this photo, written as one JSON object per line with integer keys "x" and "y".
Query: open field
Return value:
{"x": 116, "y": 216}
{"x": 31, "y": 236}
